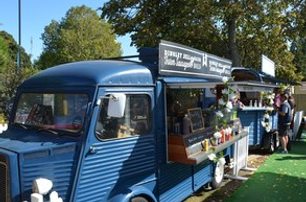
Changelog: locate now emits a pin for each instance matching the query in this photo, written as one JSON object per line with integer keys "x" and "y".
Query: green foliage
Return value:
{"x": 10, "y": 80}
{"x": 298, "y": 36}
{"x": 2, "y": 118}
{"x": 80, "y": 35}
{"x": 4, "y": 54}
{"x": 239, "y": 30}
{"x": 189, "y": 22}
{"x": 10, "y": 77}
{"x": 12, "y": 48}
{"x": 299, "y": 50}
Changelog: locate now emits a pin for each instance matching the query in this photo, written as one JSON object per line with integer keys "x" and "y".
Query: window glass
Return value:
{"x": 136, "y": 119}
{"x": 52, "y": 111}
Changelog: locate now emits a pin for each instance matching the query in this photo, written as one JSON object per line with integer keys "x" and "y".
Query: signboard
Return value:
{"x": 179, "y": 60}
{"x": 197, "y": 122}
{"x": 194, "y": 138}
{"x": 267, "y": 65}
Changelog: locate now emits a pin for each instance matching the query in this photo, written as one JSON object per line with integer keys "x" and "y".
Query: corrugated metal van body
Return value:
{"x": 175, "y": 182}
{"x": 249, "y": 119}
{"x": 57, "y": 164}
{"x": 253, "y": 119}
{"x": 115, "y": 167}
{"x": 178, "y": 181}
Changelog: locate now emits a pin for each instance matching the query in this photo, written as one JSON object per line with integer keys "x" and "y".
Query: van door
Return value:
{"x": 120, "y": 152}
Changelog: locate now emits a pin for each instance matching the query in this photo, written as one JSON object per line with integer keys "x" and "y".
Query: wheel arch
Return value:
{"x": 137, "y": 191}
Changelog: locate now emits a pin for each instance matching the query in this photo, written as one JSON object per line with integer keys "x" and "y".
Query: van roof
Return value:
{"x": 92, "y": 73}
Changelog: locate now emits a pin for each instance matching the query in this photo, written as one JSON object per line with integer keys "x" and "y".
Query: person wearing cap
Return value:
{"x": 284, "y": 120}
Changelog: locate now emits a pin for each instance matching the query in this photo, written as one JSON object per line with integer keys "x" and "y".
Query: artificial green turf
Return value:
{"x": 281, "y": 178}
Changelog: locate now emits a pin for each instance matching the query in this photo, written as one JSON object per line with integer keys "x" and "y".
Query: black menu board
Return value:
{"x": 196, "y": 119}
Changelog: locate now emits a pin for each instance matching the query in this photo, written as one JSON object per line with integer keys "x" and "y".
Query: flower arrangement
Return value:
{"x": 227, "y": 103}
{"x": 2, "y": 119}
{"x": 217, "y": 158}
{"x": 3, "y": 123}
{"x": 268, "y": 98}
{"x": 223, "y": 114}
{"x": 265, "y": 123}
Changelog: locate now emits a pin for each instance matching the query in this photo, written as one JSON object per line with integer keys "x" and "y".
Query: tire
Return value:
{"x": 272, "y": 144}
{"x": 272, "y": 147}
{"x": 289, "y": 144}
{"x": 139, "y": 199}
{"x": 218, "y": 175}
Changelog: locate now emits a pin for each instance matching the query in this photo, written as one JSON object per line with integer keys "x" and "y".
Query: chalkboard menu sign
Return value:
{"x": 192, "y": 139}
{"x": 196, "y": 119}
{"x": 180, "y": 60}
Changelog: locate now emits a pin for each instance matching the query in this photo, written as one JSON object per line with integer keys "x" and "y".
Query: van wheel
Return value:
{"x": 218, "y": 176}
{"x": 272, "y": 148}
{"x": 139, "y": 199}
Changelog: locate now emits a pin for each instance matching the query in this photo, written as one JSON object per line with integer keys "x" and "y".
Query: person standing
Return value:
{"x": 284, "y": 120}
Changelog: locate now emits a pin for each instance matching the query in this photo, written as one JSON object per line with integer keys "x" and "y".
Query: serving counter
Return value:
{"x": 180, "y": 150}
{"x": 252, "y": 117}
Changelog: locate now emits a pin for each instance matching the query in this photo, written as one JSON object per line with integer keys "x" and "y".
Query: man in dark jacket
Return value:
{"x": 284, "y": 120}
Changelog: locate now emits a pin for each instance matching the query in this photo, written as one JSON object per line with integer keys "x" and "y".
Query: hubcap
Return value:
{"x": 219, "y": 172}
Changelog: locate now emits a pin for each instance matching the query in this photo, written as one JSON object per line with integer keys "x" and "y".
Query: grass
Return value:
{"x": 281, "y": 178}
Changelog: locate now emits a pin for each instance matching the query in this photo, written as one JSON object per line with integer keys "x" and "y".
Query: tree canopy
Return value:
{"x": 239, "y": 30}
{"x": 80, "y": 35}
{"x": 4, "y": 54}
{"x": 298, "y": 46}
{"x": 10, "y": 76}
{"x": 9, "y": 49}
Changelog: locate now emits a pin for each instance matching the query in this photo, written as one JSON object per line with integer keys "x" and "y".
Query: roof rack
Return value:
{"x": 146, "y": 55}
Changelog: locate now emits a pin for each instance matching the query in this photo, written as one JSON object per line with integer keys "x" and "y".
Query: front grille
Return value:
{"x": 3, "y": 180}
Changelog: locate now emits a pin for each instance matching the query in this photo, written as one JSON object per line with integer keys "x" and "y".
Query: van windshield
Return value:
{"x": 58, "y": 111}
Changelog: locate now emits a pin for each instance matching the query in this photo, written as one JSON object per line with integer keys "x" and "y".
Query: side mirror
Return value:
{"x": 116, "y": 105}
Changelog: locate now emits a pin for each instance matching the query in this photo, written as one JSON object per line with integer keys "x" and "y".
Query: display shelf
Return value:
{"x": 256, "y": 108}
{"x": 193, "y": 154}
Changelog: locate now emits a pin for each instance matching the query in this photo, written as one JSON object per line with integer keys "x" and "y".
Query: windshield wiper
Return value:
{"x": 50, "y": 130}
{"x": 21, "y": 125}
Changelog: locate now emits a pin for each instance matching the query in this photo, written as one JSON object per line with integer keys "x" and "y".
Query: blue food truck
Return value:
{"x": 114, "y": 130}
{"x": 259, "y": 116}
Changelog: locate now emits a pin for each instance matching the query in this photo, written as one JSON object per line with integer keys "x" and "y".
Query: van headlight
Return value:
{"x": 42, "y": 186}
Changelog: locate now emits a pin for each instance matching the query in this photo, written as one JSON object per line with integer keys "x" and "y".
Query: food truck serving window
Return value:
{"x": 135, "y": 121}
{"x": 188, "y": 103}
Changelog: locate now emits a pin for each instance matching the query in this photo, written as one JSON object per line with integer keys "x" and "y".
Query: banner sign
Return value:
{"x": 267, "y": 65}
{"x": 179, "y": 60}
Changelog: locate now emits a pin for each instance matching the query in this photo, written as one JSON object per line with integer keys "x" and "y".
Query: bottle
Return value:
{"x": 205, "y": 145}
{"x": 223, "y": 135}
{"x": 186, "y": 125}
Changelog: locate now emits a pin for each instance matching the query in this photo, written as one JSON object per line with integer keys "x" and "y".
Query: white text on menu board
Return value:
{"x": 218, "y": 67}
{"x": 178, "y": 59}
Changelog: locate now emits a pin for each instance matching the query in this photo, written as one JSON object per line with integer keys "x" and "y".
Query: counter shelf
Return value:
{"x": 180, "y": 151}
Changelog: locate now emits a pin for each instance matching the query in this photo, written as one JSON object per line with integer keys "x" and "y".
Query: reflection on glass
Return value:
{"x": 65, "y": 112}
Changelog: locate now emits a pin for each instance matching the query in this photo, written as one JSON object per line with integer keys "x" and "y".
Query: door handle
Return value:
{"x": 92, "y": 150}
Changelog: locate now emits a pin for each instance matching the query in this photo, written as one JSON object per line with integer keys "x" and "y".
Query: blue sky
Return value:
{"x": 36, "y": 14}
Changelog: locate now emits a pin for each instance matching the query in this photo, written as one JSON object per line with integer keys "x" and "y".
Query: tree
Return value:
{"x": 81, "y": 35}
{"x": 239, "y": 30}
{"x": 12, "y": 48}
{"x": 298, "y": 46}
{"x": 189, "y": 22}
{"x": 10, "y": 76}
{"x": 4, "y": 54}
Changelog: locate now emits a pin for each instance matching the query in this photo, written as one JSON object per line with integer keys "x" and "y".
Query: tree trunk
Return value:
{"x": 234, "y": 52}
